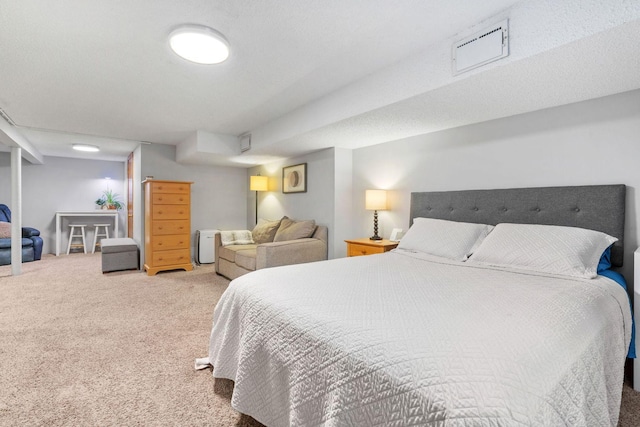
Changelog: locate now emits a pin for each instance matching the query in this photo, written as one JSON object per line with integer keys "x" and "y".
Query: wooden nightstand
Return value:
{"x": 358, "y": 247}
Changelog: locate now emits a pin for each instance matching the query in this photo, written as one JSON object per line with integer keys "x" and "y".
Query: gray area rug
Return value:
{"x": 78, "y": 347}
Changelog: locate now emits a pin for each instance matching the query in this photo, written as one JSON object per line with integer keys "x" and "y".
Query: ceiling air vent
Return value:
{"x": 245, "y": 142}
{"x": 483, "y": 47}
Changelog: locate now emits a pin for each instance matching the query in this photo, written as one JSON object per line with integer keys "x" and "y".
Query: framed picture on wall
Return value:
{"x": 294, "y": 179}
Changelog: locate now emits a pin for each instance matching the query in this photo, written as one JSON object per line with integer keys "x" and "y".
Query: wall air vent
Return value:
{"x": 245, "y": 142}
{"x": 483, "y": 47}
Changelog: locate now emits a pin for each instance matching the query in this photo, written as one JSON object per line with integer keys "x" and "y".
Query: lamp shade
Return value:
{"x": 376, "y": 200}
{"x": 259, "y": 183}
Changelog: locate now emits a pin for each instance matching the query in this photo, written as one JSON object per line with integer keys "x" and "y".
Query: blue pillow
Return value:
{"x": 617, "y": 277}
{"x": 603, "y": 267}
{"x": 605, "y": 260}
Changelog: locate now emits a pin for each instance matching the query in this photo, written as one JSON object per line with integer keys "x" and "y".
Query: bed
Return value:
{"x": 410, "y": 338}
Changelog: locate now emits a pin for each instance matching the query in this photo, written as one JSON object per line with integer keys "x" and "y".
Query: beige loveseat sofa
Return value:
{"x": 276, "y": 243}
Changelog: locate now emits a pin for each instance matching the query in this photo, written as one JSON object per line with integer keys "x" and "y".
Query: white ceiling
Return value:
{"x": 303, "y": 75}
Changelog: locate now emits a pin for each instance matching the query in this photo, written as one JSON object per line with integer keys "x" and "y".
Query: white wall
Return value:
{"x": 62, "y": 184}
{"x": 328, "y": 182}
{"x": 588, "y": 143}
{"x": 218, "y": 194}
{"x": 343, "y": 209}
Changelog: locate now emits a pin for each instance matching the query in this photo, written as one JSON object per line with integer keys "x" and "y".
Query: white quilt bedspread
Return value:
{"x": 396, "y": 340}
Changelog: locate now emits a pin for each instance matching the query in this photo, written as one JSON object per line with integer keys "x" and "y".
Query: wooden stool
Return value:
{"x": 98, "y": 234}
{"x": 81, "y": 235}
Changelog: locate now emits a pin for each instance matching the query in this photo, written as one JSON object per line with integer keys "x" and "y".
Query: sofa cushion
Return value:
{"x": 27, "y": 254}
{"x": 229, "y": 252}
{"x": 292, "y": 230}
{"x": 6, "y": 243}
{"x": 246, "y": 259}
{"x": 5, "y": 230}
{"x": 265, "y": 231}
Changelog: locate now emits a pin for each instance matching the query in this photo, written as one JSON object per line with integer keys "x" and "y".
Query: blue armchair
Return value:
{"x": 31, "y": 241}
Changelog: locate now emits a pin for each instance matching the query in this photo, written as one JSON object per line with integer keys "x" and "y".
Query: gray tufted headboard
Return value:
{"x": 596, "y": 207}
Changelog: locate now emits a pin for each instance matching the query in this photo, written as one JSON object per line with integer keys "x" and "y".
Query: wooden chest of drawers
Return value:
{"x": 167, "y": 226}
{"x": 359, "y": 247}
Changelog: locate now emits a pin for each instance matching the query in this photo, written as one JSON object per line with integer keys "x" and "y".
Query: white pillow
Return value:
{"x": 568, "y": 251}
{"x": 448, "y": 239}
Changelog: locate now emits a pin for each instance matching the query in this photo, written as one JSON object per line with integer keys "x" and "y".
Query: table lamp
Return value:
{"x": 375, "y": 200}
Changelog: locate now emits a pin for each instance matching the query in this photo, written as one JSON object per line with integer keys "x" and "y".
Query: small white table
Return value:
{"x": 85, "y": 214}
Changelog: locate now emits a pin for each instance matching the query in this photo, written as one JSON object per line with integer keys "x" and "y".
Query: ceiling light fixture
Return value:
{"x": 86, "y": 147}
{"x": 199, "y": 44}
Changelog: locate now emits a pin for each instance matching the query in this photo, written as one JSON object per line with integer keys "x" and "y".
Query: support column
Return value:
{"x": 16, "y": 211}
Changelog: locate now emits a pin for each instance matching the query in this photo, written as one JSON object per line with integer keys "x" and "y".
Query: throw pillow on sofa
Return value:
{"x": 293, "y": 230}
{"x": 265, "y": 231}
{"x": 5, "y": 230}
{"x": 236, "y": 237}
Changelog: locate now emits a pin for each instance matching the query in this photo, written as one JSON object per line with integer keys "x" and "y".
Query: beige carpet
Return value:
{"x": 79, "y": 348}
{"x": 84, "y": 349}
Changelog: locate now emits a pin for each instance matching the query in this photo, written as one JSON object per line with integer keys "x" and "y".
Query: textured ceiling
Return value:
{"x": 302, "y": 75}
